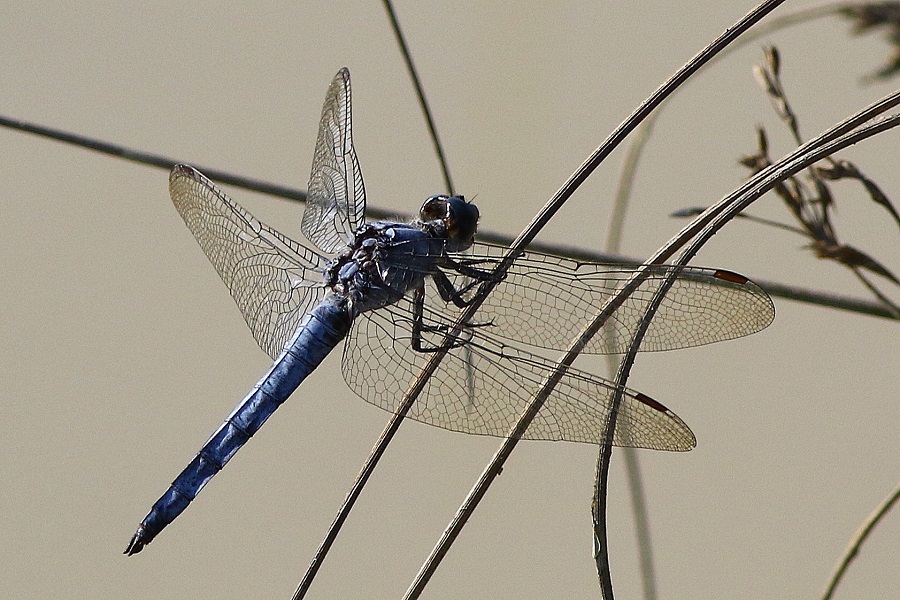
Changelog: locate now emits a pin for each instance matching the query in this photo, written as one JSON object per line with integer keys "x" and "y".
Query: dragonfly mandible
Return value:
{"x": 394, "y": 289}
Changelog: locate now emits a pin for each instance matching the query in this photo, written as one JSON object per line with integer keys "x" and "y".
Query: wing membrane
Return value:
{"x": 483, "y": 387}
{"x": 273, "y": 279}
{"x": 336, "y": 200}
{"x": 546, "y": 300}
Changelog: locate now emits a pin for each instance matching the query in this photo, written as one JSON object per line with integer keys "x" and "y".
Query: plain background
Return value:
{"x": 122, "y": 350}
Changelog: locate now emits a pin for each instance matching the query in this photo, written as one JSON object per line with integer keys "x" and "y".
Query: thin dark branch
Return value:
{"x": 771, "y": 223}
{"x": 782, "y": 290}
{"x": 625, "y": 182}
{"x": 144, "y": 158}
{"x": 859, "y": 537}
{"x": 639, "y": 510}
{"x": 420, "y": 92}
{"x": 889, "y": 305}
{"x": 344, "y": 511}
{"x": 552, "y": 206}
{"x": 166, "y": 162}
{"x": 711, "y": 221}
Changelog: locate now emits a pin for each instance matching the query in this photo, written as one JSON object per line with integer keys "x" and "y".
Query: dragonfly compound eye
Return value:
{"x": 435, "y": 209}
{"x": 462, "y": 219}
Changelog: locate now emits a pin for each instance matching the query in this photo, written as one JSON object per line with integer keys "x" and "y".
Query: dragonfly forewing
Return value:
{"x": 545, "y": 301}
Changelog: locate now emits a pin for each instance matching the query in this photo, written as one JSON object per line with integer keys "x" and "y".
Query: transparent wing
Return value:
{"x": 273, "y": 279}
{"x": 336, "y": 201}
{"x": 484, "y": 386}
{"x": 546, "y": 300}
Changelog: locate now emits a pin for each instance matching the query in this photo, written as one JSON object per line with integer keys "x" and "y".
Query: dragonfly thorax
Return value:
{"x": 355, "y": 270}
{"x": 385, "y": 261}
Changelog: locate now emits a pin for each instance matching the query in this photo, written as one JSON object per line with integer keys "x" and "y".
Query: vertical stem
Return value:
{"x": 423, "y": 103}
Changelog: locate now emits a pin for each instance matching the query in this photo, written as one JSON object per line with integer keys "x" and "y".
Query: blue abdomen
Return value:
{"x": 317, "y": 335}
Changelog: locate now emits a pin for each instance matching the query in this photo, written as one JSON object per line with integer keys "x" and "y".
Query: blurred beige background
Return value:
{"x": 122, "y": 350}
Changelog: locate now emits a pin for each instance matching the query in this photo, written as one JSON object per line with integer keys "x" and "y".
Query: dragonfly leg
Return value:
{"x": 449, "y": 293}
{"x": 465, "y": 267}
{"x": 419, "y": 327}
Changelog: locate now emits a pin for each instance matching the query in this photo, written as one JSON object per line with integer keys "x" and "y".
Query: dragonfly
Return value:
{"x": 394, "y": 290}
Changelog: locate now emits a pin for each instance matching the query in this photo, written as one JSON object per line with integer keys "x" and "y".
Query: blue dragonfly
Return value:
{"x": 393, "y": 290}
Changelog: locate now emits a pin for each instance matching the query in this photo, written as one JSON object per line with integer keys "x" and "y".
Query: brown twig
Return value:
{"x": 857, "y": 541}
{"x": 811, "y": 200}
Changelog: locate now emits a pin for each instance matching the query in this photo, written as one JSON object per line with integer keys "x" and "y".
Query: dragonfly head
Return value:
{"x": 458, "y": 218}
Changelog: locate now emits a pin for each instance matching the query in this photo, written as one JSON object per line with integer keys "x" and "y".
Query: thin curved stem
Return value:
{"x": 639, "y": 511}
{"x": 633, "y": 153}
{"x": 420, "y": 93}
{"x": 703, "y": 228}
{"x": 885, "y": 301}
{"x": 857, "y": 541}
{"x": 552, "y": 206}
